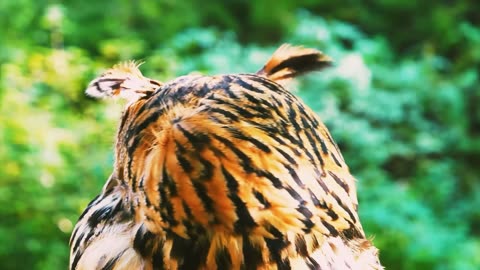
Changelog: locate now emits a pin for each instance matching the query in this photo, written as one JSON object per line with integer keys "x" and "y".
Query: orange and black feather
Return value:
{"x": 288, "y": 62}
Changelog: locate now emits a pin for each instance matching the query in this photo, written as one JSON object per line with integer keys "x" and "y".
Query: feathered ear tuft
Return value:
{"x": 289, "y": 61}
{"x": 123, "y": 80}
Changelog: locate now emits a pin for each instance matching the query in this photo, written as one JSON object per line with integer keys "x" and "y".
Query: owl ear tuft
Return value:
{"x": 123, "y": 80}
{"x": 288, "y": 62}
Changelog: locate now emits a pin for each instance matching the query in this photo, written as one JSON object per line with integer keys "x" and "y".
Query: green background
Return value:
{"x": 402, "y": 101}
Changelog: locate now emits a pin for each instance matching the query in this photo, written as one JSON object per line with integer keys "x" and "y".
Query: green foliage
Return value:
{"x": 402, "y": 105}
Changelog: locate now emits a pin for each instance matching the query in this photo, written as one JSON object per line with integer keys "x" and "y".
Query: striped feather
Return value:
{"x": 124, "y": 80}
{"x": 289, "y": 61}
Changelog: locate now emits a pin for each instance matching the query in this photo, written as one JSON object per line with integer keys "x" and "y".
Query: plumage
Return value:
{"x": 224, "y": 172}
